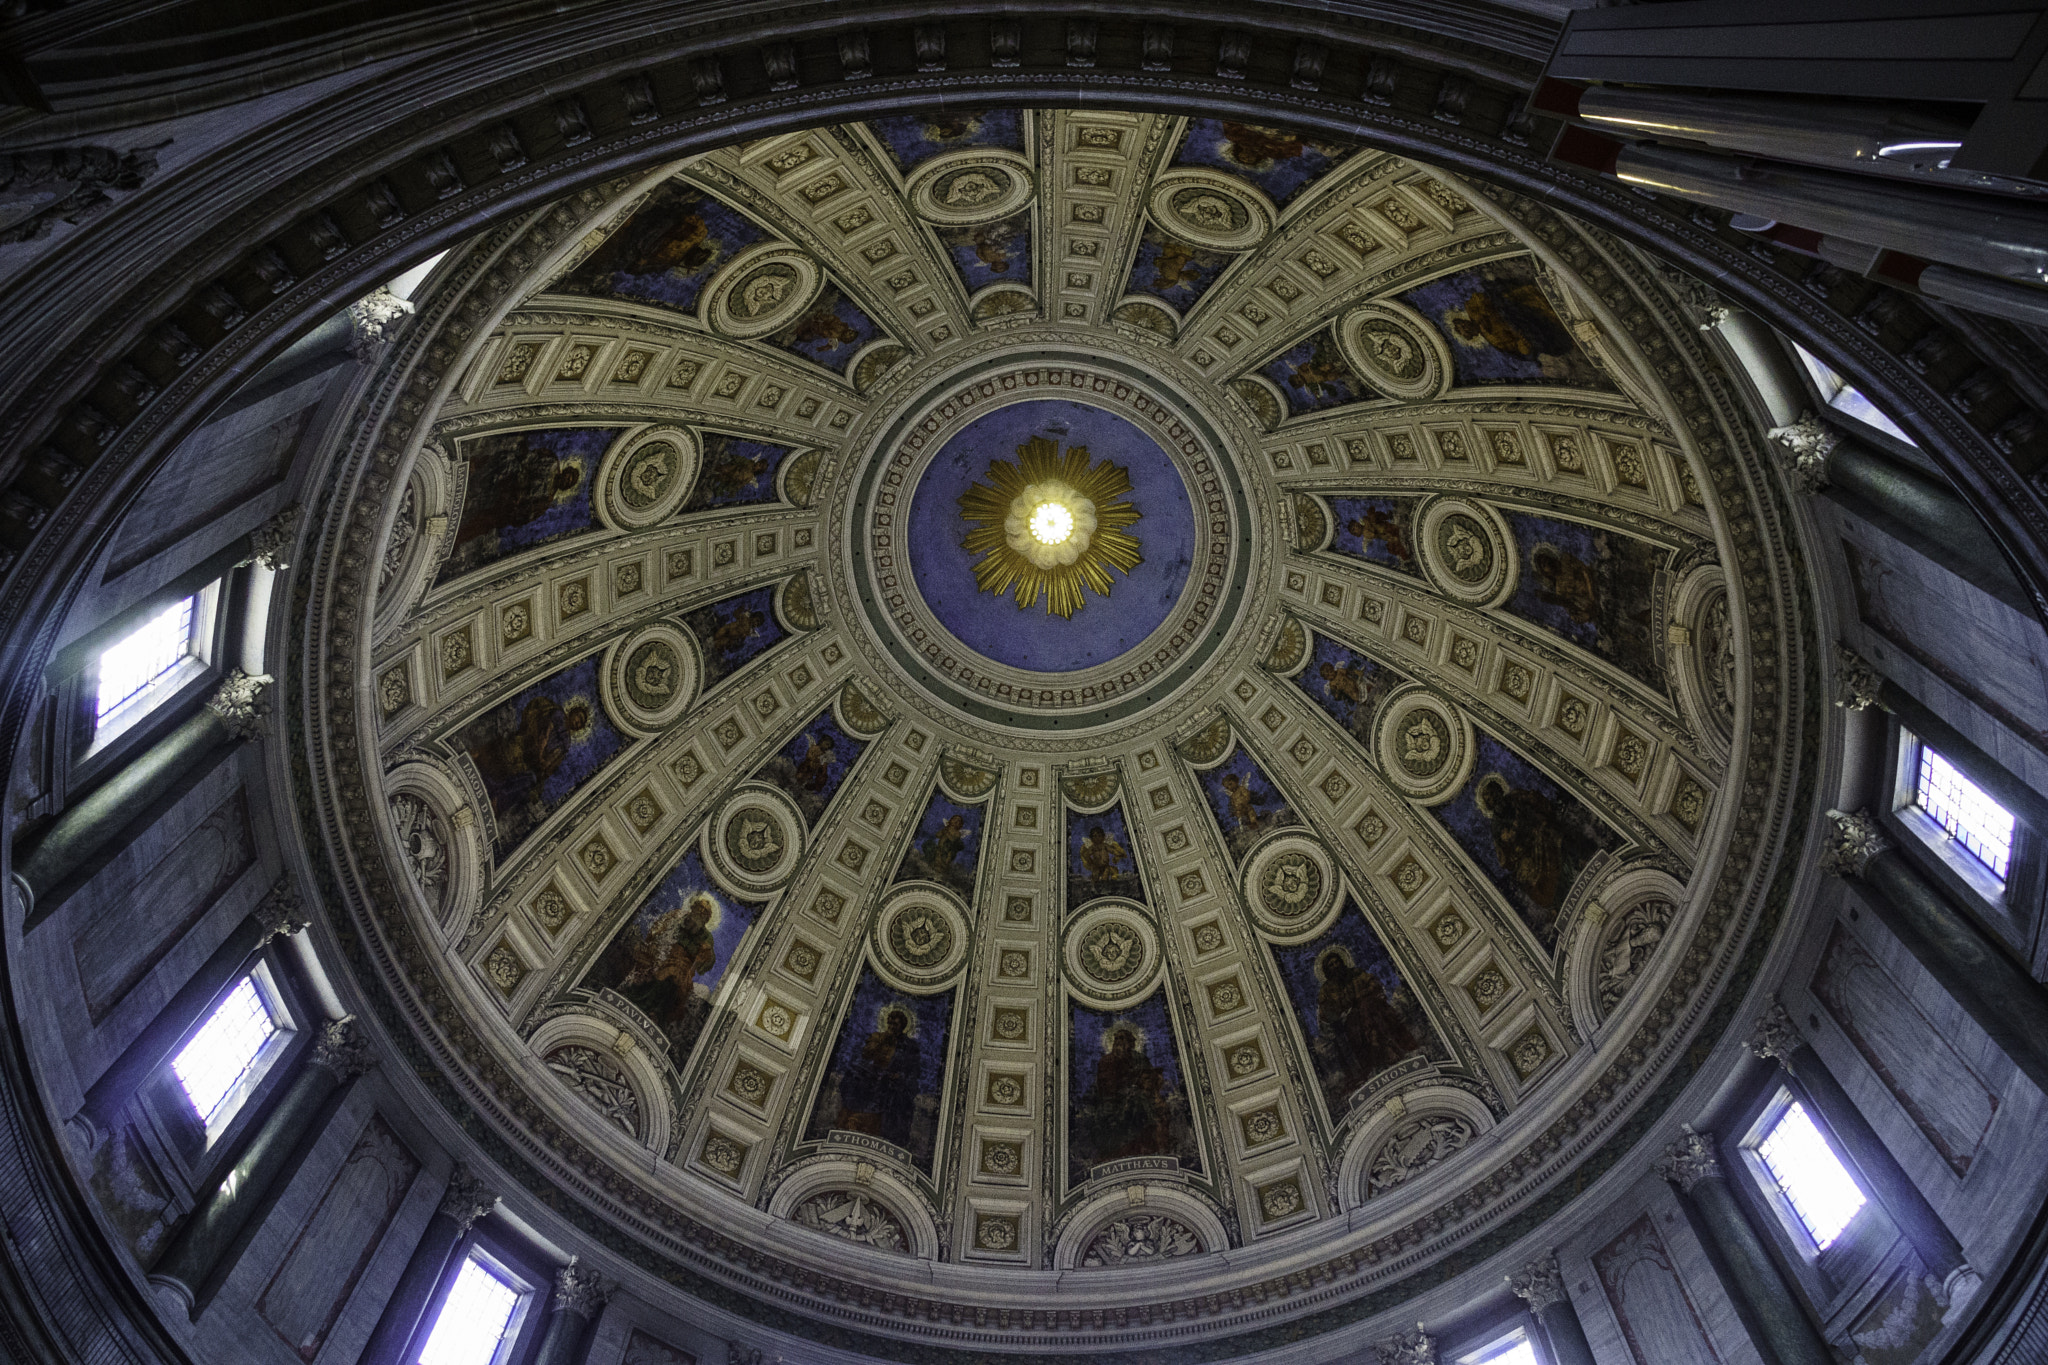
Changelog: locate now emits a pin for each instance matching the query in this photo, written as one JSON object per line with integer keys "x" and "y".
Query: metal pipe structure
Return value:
{"x": 1997, "y": 237}
{"x": 1889, "y": 140}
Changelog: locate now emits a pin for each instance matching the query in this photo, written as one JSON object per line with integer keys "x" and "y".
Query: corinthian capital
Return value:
{"x": 1805, "y": 446}
{"x": 1856, "y": 841}
{"x": 271, "y": 543}
{"x": 343, "y": 1050}
{"x": 468, "y": 1198}
{"x": 579, "y": 1291}
{"x": 281, "y": 912}
{"x": 1410, "y": 1348}
{"x": 239, "y": 703}
{"x": 375, "y": 318}
{"x": 1776, "y": 1037}
{"x": 1857, "y": 685}
{"x": 1539, "y": 1283}
{"x": 1690, "y": 1160}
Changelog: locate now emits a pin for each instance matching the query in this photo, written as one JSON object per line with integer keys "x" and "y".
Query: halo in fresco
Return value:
{"x": 963, "y": 188}
{"x": 763, "y": 288}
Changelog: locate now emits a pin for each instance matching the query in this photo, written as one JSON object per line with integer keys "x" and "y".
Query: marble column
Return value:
{"x": 1768, "y": 1305}
{"x": 1541, "y": 1285}
{"x": 2009, "y": 1005}
{"x": 279, "y": 915}
{"x": 1912, "y": 506}
{"x": 579, "y": 1297}
{"x": 82, "y": 831}
{"x": 1777, "y": 1038}
{"x": 465, "y": 1202}
{"x": 212, "y": 1235}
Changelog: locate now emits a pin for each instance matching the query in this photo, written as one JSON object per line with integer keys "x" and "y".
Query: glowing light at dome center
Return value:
{"x": 1051, "y": 524}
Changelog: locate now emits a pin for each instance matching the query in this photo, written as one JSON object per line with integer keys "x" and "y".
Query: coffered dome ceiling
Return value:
{"x": 1259, "y": 895}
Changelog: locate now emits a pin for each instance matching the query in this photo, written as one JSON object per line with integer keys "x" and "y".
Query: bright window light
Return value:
{"x": 1819, "y": 1187}
{"x": 144, "y": 656}
{"x": 1961, "y": 807}
{"x": 473, "y": 1322}
{"x": 1515, "y": 1353}
{"x": 212, "y": 1065}
{"x": 1847, "y": 399}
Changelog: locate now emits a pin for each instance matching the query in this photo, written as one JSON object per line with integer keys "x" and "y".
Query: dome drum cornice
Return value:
{"x": 1521, "y": 1130}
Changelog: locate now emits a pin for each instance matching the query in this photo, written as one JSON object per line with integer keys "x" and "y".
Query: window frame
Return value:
{"x": 85, "y": 753}
{"x": 202, "y": 647}
{"x": 1486, "y": 1347}
{"x": 286, "y": 1031}
{"x": 1815, "y": 375}
{"x": 1831, "y": 1280}
{"x": 186, "y": 1147}
{"x": 2007, "y": 910}
{"x": 510, "y": 1256}
{"x": 526, "y": 1294}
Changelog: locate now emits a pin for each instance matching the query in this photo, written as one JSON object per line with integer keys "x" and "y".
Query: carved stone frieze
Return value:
{"x": 1138, "y": 1238}
{"x": 1415, "y": 1146}
{"x": 854, "y": 1216}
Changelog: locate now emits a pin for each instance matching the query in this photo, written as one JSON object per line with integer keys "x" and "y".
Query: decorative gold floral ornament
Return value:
{"x": 1050, "y": 524}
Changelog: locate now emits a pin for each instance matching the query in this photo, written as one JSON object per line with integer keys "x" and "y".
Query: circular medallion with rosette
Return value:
{"x": 755, "y": 840}
{"x": 646, "y": 475}
{"x": 649, "y": 679}
{"x": 1112, "y": 953}
{"x": 1424, "y": 745}
{"x": 761, "y": 290}
{"x": 969, "y": 187}
{"x": 1210, "y": 210}
{"x": 1291, "y": 887}
{"x": 920, "y": 936}
{"x": 1396, "y": 351}
{"x": 1467, "y": 551}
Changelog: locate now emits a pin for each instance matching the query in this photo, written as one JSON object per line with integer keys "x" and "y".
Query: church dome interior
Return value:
{"x": 800, "y": 834}
{"x": 748, "y": 717}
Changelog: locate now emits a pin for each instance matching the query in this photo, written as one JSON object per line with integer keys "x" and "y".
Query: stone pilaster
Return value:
{"x": 2009, "y": 1005}
{"x": 1540, "y": 1284}
{"x": 1768, "y": 1305}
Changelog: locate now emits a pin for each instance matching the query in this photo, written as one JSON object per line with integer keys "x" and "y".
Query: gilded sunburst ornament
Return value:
{"x": 1050, "y": 523}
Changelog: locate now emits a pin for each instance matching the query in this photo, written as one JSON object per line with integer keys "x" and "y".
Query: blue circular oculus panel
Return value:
{"x": 1031, "y": 638}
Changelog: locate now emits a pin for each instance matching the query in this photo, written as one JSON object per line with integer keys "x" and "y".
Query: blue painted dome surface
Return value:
{"x": 1032, "y": 638}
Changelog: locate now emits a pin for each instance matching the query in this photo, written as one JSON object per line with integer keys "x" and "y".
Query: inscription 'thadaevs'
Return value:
{"x": 1051, "y": 525}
